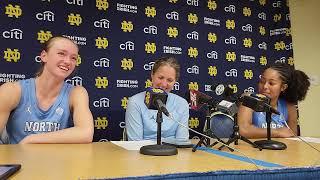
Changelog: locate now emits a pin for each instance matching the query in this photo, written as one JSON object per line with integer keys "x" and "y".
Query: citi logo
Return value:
{"x": 45, "y": 16}
{"x": 193, "y": 2}
{"x": 193, "y": 70}
{"x": 76, "y": 81}
{"x": 102, "y": 62}
{"x": 101, "y": 103}
{"x": 150, "y": 30}
{"x": 173, "y": 15}
{"x": 231, "y": 40}
{"x": 75, "y": 2}
{"x": 262, "y": 16}
{"x": 247, "y": 27}
{"x": 102, "y": 23}
{"x": 193, "y": 35}
{"x": 231, "y": 8}
{"x": 13, "y": 34}
{"x": 149, "y": 66}
{"x": 231, "y": 73}
{"x": 127, "y": 46}
{"x": 212, "y": 55}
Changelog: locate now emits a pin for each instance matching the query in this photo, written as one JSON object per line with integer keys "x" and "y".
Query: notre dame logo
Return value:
{"x": 15, "y": 11}
{"x": 147, "y": 98}
{"x": 150, "y": 47}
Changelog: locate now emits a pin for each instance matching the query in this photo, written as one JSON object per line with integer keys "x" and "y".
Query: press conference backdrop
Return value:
{"x": 215, "y": 41}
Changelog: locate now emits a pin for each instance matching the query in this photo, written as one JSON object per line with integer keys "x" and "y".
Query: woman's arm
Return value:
{"x": 10, "y": 94}
{"x": 249, "y": 130}
{"x": 292, "y": 119}
{"x": 182, "y": 133}
{"x": 134, "y": 126}
{"x": 83, "y": 130}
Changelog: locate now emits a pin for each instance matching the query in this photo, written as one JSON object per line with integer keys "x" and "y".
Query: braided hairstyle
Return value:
{"x": 297, "y": 81}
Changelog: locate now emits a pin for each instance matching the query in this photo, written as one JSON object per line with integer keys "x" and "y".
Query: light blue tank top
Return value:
{"x": 28, "y": 118}
{"x": 277, "y": 121}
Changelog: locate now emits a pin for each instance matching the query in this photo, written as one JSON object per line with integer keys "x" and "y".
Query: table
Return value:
{"x": 106, "y": 160}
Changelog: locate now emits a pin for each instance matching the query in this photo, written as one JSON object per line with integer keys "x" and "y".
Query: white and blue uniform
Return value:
{"x": 141, "y": 122}
{"x": 277, "y": 121}
{"x": 27, "y": 118}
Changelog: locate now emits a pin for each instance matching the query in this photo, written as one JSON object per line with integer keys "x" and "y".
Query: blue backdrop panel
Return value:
{"x": 215, "y": 41}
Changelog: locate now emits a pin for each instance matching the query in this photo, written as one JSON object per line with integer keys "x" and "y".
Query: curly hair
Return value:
{"x": 298, "y": 82}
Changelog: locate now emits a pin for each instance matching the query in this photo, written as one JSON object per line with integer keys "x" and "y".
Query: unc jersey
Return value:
{"x": 27, "y": 118}
{"x": 277, "y": 121}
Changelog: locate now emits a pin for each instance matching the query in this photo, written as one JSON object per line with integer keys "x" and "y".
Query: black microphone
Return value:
{"x": 156, "y": 98}
{"x": 258, "y": 103}
{"x": 261, "y": 103}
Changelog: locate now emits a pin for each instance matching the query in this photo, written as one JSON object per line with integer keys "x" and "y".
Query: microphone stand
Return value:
{"x": 236, "y": 136}
{"x": 204, "y": 140}
{"x": 159, "y": 149}
{"x": 270, "y": 144}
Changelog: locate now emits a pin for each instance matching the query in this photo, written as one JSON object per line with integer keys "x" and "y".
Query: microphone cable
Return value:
{"x": 296, "y": 136}
{"x": 251, "y": 160}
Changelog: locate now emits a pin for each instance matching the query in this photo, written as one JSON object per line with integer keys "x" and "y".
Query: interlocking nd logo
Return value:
{"x": 147, "y": 98}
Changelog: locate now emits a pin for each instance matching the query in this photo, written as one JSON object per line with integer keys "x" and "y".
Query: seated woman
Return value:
{"x": 46, "y": 109}
{"x": 285, "y": 86}
{"x": 141, "y": 121}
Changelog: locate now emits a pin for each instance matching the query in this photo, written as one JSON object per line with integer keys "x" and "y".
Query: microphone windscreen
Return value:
{"x": 258, "y": 102}
{"x": 152, "y": 95}
{"x": 198, "y": 99}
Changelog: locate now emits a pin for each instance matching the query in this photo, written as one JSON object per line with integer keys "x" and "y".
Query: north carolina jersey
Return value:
{"x": 27, "y": 118}
{"x": 277, "y": 121}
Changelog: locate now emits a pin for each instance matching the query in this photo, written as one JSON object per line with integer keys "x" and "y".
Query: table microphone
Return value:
{"x": 261, "y": 103}
{"x": 156, "y": 99}
{"x": 258, "y": 102}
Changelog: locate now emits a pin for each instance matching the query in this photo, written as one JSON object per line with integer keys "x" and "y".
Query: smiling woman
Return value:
{"x": 285, "y": 86}
{"x": 61, "y": 47}
{"x": 140, "y": 121}
{"x": 46, "y": 109}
